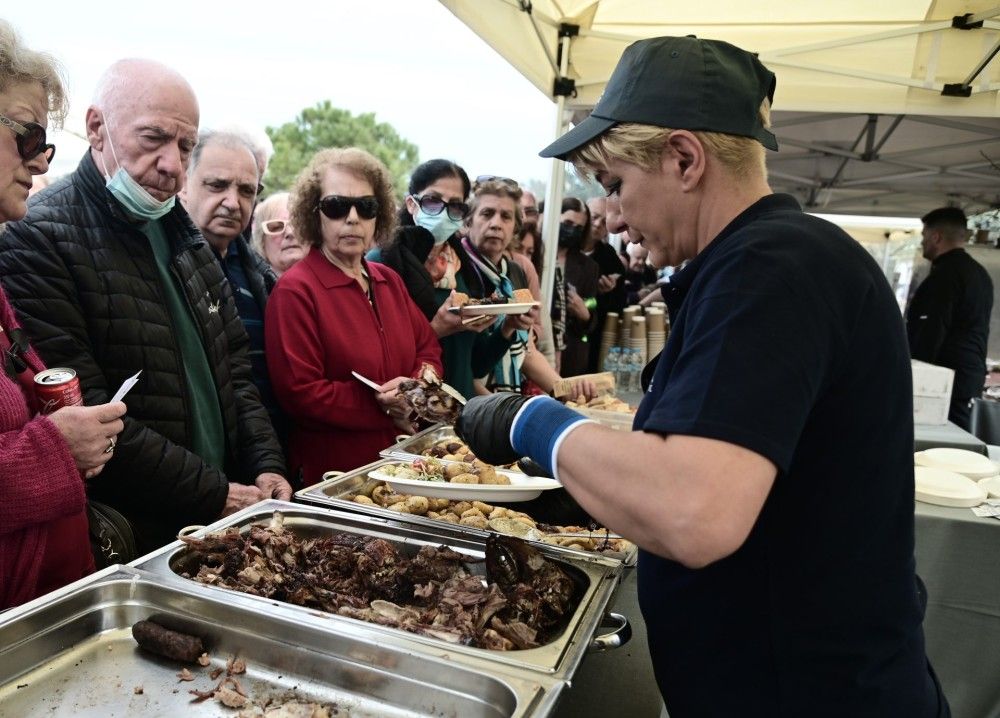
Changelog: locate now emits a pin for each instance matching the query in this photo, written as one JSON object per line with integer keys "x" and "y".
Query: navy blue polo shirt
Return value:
{"x": 786, "y": 340}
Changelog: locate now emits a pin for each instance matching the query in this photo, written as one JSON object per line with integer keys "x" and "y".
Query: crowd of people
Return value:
{"x": 246, "y": 315}
{"x": 767, "y": 552}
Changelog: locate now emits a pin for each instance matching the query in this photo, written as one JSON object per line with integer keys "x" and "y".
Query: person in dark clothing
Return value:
{"x": 768, "y": 481}
{"x": 574, "y": 313}
{"x": 109, "y": 275}
{"x": 219, "y": 196}
{"x": 948, "y": 322}
{"x": 611, "y": 284}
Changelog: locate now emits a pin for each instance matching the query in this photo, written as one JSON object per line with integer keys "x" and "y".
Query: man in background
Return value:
{"x": 948, "y": 322}
{"x": 220, "y": 194}
{"x": 611, "y": 283}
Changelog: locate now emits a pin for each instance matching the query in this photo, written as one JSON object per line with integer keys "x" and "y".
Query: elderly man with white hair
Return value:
{"x": 110, "y": 276}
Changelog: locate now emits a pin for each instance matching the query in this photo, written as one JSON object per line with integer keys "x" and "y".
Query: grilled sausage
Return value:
{"x": 163, "y": 642}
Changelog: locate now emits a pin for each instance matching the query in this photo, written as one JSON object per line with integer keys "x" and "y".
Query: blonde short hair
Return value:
{"x": 642, "y": 145}
{"x": 303, "y": 207}
{"x": 266, "y": 209}
{"x": 19, "y": 65}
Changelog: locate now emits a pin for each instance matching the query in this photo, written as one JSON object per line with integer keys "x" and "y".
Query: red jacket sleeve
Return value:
{"x": 39, "y": 481}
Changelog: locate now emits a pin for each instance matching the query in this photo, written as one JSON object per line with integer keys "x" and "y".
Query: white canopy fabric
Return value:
{"x": 885, "y": 108}
{"x": 881, "y": 107}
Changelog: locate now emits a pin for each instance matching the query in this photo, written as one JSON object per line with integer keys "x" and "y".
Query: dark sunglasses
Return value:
{"x": 483, "y": 179}
{"x": 30, "y": 139}
{"x": 336, "y": 206}
{"x": 13, "y": 356}
{"x": 433, "y": 205}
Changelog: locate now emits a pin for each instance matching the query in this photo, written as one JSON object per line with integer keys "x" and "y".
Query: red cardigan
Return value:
{"x": 319, "y": 327}
{"x": 43, "y": 524}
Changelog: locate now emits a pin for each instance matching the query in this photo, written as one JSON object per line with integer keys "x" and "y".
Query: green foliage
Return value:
{"x": 324, "y": 126}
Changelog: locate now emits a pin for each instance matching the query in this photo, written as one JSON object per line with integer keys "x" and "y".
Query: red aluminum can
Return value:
{"x": 56, "y": 388}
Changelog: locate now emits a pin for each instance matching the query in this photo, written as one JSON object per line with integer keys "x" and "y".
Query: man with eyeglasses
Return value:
{"x": 110, "y": 276}
{"x": 222, "y": 184}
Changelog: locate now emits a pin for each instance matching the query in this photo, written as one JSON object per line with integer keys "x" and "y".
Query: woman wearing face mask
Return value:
{"x": 427, "y": 254}
{"x": 573, "y": 315}
{"x": 44, "y": 459}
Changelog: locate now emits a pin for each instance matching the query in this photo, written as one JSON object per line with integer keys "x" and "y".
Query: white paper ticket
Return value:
{"x": 124, "y": 388}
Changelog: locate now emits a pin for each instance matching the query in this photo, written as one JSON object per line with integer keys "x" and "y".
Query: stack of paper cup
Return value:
{"x": 637, "y": 339}
{"x": 656, "y": 331}
{"x": 609, "y": 336}
{"x": 627, "y": 315}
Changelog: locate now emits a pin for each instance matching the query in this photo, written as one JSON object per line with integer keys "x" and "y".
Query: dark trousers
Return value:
{"x": 960, "y": 413}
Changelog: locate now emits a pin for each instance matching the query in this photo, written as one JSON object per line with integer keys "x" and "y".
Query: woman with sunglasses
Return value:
{"x": 334, "y": 313}
{"x": 44, "y": 460}
{"x": 427, "y": 253}
{"x": 273, "y": 236}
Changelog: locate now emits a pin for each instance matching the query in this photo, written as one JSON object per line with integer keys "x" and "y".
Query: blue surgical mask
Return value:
{"x": 130, "y": 194}
{"x": 440, "y": 225}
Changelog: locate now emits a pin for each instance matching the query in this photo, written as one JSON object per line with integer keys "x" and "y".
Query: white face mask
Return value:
{"x": 130, "y": 194}
{"x": 440, "y": 225}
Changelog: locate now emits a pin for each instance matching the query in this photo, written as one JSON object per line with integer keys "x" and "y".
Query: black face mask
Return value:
{"x": 570, "y": 236}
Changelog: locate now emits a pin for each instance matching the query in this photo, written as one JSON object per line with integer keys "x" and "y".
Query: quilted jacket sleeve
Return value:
{"x": 148, "y": 470}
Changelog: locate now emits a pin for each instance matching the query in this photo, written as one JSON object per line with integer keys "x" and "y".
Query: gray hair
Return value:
{"x": 265, "y": 211}
{"x": 258, "y": 141}
{"x": 232, "y": 140}
{"x": 19, "y": 64}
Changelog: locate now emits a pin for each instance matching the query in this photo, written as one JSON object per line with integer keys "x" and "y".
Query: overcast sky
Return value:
{"x": 411, "y": 62}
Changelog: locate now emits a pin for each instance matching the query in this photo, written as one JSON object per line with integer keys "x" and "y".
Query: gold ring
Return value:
{"x": 111, "y": 445}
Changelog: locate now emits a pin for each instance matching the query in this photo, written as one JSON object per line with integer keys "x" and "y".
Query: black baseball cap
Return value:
{"x": 682, "y": 83}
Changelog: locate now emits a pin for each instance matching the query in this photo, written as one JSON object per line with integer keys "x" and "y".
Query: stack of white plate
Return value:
{"x": 973, "y": 467}
{"x": 946, "y": 488}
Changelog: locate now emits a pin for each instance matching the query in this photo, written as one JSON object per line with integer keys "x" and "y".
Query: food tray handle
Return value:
{"x": 331, "y": 475}
{"x": 621, "y": 635}
{"x": 400, "y": 438}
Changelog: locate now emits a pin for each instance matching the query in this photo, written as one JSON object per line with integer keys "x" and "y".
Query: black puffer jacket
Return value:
{"x": 84, "y": 282}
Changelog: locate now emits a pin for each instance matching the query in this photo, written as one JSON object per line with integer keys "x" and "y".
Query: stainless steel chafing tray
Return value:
{"x": 411, "y": 447}
{"x": 338, "y": 490}
{"x": 71, "y": 653}
{"x": 550, "y": 664}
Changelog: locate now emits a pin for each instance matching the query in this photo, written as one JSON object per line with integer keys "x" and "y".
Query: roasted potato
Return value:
{"x": 477, "y": 521}
{"x": 417, "y": 505}
{"x": 465, "y": 479}
{"x": 362, "y": 499}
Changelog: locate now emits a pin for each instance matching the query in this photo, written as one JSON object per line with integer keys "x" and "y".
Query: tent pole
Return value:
{"x": 554, "y": 192}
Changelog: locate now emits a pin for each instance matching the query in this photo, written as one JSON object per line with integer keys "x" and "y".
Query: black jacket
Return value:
{"x": 948, "y": 321}
{"x": 85, "y": 284}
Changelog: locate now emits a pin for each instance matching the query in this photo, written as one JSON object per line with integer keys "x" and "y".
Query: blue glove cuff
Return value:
{"x": 539, "y": 428}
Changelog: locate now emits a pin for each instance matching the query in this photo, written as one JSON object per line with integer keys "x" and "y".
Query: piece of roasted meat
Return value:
{"x": 526, "y": 601}
{"x": 427, "y": 398}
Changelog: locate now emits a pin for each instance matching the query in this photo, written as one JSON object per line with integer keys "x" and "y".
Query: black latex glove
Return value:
{"x": 484, "y": 425}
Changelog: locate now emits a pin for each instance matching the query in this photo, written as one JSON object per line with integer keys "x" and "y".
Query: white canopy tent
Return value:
{"x": 881, "y": 108}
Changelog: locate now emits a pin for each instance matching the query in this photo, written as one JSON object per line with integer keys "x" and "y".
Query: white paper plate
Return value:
{"x": 991, "y": 486}
{"x": 946, "y": 488}
{"x": 511, "y": 308}
{"x": 960, "y": 461}
{"x": 521, "y": 487}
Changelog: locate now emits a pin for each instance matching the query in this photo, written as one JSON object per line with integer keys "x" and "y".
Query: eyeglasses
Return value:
{"x": 530, "y": 211}
{"x": 30, "y": 139}
{"x": 434, "y": 205}
{"x": 13, "y": 356}
{"x": 336, "y": 206}
{"x": 483, "y": 179}
{"x": 277, "y": 226}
